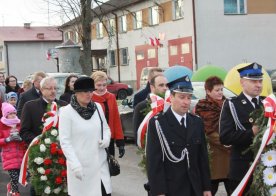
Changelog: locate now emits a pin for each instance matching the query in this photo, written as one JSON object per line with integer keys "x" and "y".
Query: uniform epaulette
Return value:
{"x": 192, "y": 114}
{"x": 232, "y": 98}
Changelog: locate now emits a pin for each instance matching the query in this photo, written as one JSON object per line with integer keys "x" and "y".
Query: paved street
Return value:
{"x": 128, "y": 183}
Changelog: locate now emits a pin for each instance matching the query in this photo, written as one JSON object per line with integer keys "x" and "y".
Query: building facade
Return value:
{"x": 25, "y": 50}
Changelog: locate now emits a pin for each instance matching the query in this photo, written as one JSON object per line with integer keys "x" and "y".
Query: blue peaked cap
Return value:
{"x": 252, "y": 71}
{"x": 181, "y": 85}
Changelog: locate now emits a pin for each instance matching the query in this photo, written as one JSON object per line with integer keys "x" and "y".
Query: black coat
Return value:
{"x": 239, "y": 139}
{"x": 29, "y": 95}
{"x": 176, "y": 179}
{"x": 139, "y": 115}
{"x": 31, "y": 118}
{"x": 66, "y": 96}
{"x": 141, "y": 95}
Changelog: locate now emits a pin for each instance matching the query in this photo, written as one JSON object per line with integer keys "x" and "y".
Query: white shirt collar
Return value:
{"x": 179, "y": 117}
{"x": 250, "y": 98}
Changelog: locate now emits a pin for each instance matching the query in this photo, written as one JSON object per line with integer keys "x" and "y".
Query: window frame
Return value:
{"x": 110, "y": 58}
{"x": 99, "y": 30}
{"x": 124, "y": 57}
{"x": 123, "y": 24}
{"x": 156, "y": 8}
{"x": 111, "y": 28}
{"x": 238, "y": 8}
{"x": 137, "y": 21}
{"x": 174, "y": 10}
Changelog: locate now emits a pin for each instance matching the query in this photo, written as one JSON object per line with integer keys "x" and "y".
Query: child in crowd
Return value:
{"x": 13, "y": 148}
{"x": 12, "y": 98}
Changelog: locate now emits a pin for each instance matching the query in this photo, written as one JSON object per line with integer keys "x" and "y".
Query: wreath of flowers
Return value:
{"x": 264, "y": 177}
{"x": 47, "y": 165}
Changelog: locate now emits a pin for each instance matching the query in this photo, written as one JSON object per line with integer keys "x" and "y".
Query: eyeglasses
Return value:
{"x": 50, "y": 89}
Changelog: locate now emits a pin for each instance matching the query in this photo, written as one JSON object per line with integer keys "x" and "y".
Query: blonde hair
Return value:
{"x": 27, "y": 84}
{"x": 99, "y": 75}
{"x": 39, "y": 74}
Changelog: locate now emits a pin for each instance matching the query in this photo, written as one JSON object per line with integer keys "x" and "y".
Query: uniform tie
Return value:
{"x": 255, "y": 101}
{"x": 182, "y": 121}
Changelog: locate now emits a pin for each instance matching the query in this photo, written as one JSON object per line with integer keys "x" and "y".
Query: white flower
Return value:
{"x": 57, "y": 190}
{"x": 269, "y": 176}
{"x": 47, "y": 141}
{"x": 47, "y": 190}
{"x": 54, "y": 132}
{"x": 43, "y": 178}
{"x": 41, "y": 170}
{"x": 42, "y": 148}
{"x": 273, "y": 191}
{"x": 38, "y": 160}
{"x": 269, "y": 158}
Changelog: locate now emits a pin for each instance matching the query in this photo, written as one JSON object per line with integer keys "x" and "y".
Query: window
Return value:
{"x": 151, "y": 53}
{"x": 76, "y": 37}
{"x": 112, "y": 27}
{"x": 123, "y": 24}
{"x": 185, "y": 48}
{"x": 154, "y": 15}
{"x": 66, "y": 36}
{"x": 124, "y": 56}
{"x": 1, "y": 59}
{"x": 178, "y": 9}
{"x": 137, "y": 20}
{"x": 173, "y": 50}
{"x": 99, "y": 30}
{"x": 112, "y": 57}
{"x": 140, "y": 55}
{"x": 234, "y": 6}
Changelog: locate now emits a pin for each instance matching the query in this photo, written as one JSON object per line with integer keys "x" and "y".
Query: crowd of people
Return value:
{"x": 186, "y": 153}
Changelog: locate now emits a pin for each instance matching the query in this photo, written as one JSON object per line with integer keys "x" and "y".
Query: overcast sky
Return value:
{"x": 17, "y": 12}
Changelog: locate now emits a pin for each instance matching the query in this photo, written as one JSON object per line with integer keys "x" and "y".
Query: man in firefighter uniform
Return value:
{"x": 237, "y": 128}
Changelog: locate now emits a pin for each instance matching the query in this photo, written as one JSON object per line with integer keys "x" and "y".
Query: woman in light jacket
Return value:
{"x": 81, "y": 141}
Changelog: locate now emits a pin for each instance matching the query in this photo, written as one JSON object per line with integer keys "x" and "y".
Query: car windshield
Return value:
{"x": 199, "y": 91}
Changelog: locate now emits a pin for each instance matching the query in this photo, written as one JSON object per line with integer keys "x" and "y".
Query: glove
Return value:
{"x": 13, "y": 138}
{"x": 121, "y": 151}
{"x": 79, "y": 174}
{"x": 103, "y": 143}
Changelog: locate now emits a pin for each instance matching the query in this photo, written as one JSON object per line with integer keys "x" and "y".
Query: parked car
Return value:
{"x": 127, "y": 113}
{"x": 121, "y": 90}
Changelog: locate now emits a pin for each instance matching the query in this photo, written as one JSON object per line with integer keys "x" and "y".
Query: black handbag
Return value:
{"x": 113, "y": 164}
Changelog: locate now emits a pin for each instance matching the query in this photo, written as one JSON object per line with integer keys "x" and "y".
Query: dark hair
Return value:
{"x": 7, "y": 80}
{"x": 211, "y": 82}
{"x": 67, "y": 88}
{"x": 8, "y": 87}
{"x": 152, "y": 80}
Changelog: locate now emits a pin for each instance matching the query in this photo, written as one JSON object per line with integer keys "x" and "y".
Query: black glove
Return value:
{"x": 121, "y": 151}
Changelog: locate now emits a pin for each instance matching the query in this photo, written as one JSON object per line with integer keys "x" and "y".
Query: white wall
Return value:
{"x": 29, "y": 57}
{"x": 227, "y": 40}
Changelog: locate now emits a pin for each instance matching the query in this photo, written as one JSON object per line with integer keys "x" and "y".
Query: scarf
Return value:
{"x": 85, "y": 113}
{"x": 10, "y": 122}
{"x": 209, "y": 110}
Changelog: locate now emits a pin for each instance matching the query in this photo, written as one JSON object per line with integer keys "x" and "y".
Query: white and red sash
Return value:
{"x": 270, "y": 112}
{"x": 158, "y": 104}
{"x": 50, "y": 120}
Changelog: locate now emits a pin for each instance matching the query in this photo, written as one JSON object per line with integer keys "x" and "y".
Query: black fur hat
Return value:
{"x": 84, "y": 84}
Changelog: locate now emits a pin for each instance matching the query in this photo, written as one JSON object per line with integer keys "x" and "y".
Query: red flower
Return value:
{"x": 47, "y": 171}
{"x": 53, "y": 151}
{"x": 47, "y": 161}
{"x": 63, "y": 173}
{"x": 58, "y": 180}
{"x": 60, "y": 152}
{"x": 53, "y": 145}
{"x": 61, "y": 161}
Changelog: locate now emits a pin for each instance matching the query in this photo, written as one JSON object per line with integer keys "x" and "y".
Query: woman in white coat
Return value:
{"x": 81, "y": 141}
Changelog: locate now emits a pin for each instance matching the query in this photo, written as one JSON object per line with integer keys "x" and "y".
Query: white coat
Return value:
{"x": 79, "y": 140}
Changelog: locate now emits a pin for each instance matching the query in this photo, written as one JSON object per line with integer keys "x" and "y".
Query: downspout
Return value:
{"x": 195, "y": 38}
{"x": 117, "y": 47}
{"x": 7, "y": 57}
